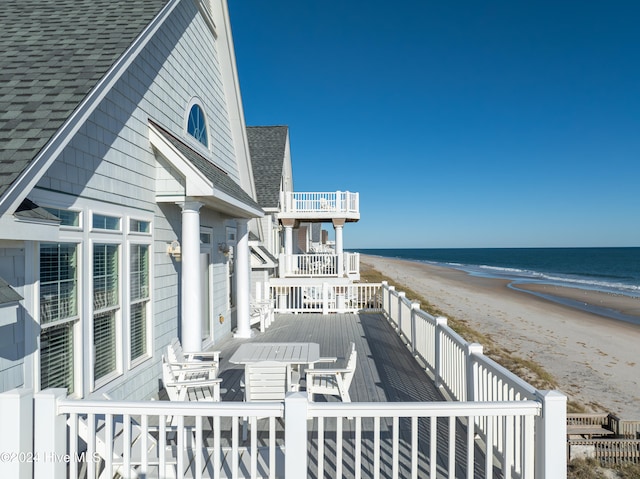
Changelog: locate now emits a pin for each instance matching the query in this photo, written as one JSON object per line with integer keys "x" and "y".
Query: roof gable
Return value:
{"x": 52, "y": 54}
{"x": 267, "y": 145}
{"x": 218, "y": 178}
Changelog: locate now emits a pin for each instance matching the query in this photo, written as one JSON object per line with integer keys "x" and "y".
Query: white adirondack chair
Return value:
{"x": 190, "y": 384}
{"x": 264, "y": 381}
{"x": 333, "y": 381}
{"x": 261, "y": 312}
{"x": 193, "y": 360}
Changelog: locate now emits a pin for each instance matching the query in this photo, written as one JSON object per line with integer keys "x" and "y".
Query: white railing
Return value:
{"x": 352, "y": 265}
{"x": 361, "y": 440}
{"x": 324, "y": 298}
{"x": 332, "y": 202}
{"x": 463, "y": 371}
{"x": 319, "y": 265}
{"x": 315, "y": 265}
{"x": 458, "y": 367}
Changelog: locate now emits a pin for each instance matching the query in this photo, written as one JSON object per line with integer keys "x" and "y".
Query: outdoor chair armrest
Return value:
{"x": 326, "y": 371}
{"x": 193, "y": 365}
{"x": 326, "y": 360}
{"x": 215, "y": 355}
{"x": 197, "y": 382}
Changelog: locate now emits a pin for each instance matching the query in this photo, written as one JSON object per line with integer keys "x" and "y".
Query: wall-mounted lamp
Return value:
{"x": 223, "y": 248}
{"x": 173, "y": 249}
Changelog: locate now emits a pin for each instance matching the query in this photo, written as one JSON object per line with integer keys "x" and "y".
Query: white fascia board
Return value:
{"x": 244, "y": 210}
{"x": 20, "y": 188}
{"x": 15, "y": 229}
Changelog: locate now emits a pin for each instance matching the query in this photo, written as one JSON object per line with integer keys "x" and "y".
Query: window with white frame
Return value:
{"x": 197, "y": 124}
{"x": 106, "y": 306}
{"x": 58, "y": 314}
{"x": 139, "y": 299}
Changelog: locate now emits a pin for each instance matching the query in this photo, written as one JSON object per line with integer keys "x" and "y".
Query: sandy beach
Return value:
{"x": 594, "y": 359}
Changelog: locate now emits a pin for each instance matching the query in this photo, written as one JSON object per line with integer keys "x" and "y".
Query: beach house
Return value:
{"x": 136, "y": 207}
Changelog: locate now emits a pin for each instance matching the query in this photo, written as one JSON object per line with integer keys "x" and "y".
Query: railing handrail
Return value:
{"x": 525, "y": 388}
{"x": 426, "y": 409}
{"x": 170, "y": 408}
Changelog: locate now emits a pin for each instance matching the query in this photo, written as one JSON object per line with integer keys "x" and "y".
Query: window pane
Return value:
{"x": 137, "y": 226}
{"x": 139, "y": 272}
{"x": 67, "y": 218}
{"x": 105, "y": 276}
{"x": 196, "y": 125}
{"x": 104, "y": 343}
{"x": 58, "y": 283}
{"x": 56, "y": 357}
{"x": 104, "y": 222}
{"x": 138, "y": 330}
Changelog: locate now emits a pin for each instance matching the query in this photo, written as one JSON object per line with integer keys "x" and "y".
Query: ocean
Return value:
{"x": 611, "y": 270}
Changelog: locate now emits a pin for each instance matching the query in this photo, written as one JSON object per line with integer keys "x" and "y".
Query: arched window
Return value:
{"x": 197, "y": 125}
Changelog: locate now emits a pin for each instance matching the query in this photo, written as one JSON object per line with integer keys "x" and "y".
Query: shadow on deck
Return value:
{"x": 386, "y": 370}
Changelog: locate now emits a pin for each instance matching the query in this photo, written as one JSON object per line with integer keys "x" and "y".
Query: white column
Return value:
{"x": 191, "y": 289}
{"x": 243, "y": 281}
{"x": 288, "y": 243}
{"x": 338, "y": 225}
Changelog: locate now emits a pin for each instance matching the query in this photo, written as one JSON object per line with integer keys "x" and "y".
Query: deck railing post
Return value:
{"x": 384, "y": 295}
{"x": 50, "y": 435}
{"x": 296, "y": 406}
{"x": 473, "y": 349}
{"x": 391, "y": 289}
{"x": 440, "y": 323}
{"x": 16, "y": 440}
{"x": 401, "y": 296}
{"x": 551, "y": 436}
{"x": 415, "y": 306}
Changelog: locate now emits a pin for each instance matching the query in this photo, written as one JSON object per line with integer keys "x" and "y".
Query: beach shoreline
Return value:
{"x": 592, "y": 357}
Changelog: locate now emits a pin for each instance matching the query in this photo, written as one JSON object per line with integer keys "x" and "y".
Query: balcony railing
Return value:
{"x": 319, "y": 265}
{"x": 331, "y": 204}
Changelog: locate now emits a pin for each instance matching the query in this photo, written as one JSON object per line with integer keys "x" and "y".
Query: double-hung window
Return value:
{"x": 58, "y": 314}
{"x": 139, "y": 299}
{"x": 106, "y": 307}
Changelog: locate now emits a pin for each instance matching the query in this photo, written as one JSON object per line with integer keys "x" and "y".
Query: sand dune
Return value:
{"x": 594, "y": 359}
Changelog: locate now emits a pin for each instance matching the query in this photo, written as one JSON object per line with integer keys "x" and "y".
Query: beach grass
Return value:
{"x": 527, "y": 369}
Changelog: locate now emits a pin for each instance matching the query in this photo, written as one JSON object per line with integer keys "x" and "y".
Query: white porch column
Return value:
{"x": 191, "y": 291}
{"x": 338, "y": 225}
{"x": 243, "y": 280}
{"x": 288, "y": 243}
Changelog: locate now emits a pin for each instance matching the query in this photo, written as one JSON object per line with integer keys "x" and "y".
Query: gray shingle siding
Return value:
{"x": 267, "y": 147}
{"x": 52, "y": 53}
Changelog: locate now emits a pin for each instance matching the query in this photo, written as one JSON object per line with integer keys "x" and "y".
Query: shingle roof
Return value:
{"x": 7, "y": 294}
{"x": 216, "y": 175}
{"x": 52, "y": 53}
{"x": 267, "y": 147}
{"x": 29, "y": 210}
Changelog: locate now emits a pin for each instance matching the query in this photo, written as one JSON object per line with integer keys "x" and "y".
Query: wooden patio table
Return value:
{"x": 295, "y": 355}
{"x": 290, "y": 353}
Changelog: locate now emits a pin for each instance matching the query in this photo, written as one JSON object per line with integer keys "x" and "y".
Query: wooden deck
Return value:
{"x": 386, "y": 371}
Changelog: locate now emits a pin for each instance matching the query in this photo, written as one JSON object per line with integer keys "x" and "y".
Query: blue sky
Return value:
{"x": 461, "y": 124}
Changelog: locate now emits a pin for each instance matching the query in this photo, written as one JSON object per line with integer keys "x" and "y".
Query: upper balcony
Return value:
{"x": 320, "y": 207}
